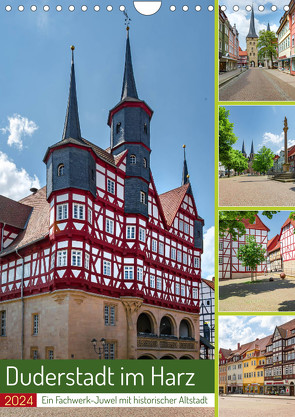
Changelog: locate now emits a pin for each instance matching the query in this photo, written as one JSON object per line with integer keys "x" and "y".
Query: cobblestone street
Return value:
{"x": 232, "y": 406}
{"x": 262, "y": 295}
{"x": 259, "y": 84}
{"x": 255, "y": 191}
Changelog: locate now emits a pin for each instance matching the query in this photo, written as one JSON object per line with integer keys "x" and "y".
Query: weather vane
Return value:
{"x": 127, "y": 19}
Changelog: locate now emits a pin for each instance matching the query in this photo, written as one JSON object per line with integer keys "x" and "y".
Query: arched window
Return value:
{"x": 144, "y": 324}
{"x": 144, "y": 162}
{"x": 132, "y": 159}
{"x": 60, "y": 170}
{"x": 185, "y": 329}
{"x": 145, "y": 128}
{"x": 118, "y": 127}
{"x": 166, "y": 327}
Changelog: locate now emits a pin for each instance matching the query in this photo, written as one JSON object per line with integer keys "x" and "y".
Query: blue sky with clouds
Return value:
{"x": 242, "y": 17}
{"x": 171, "y": 74}
{"x": 266, "y": 127}
{"x": 243, "y": 329}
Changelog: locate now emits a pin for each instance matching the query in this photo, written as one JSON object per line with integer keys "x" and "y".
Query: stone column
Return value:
{"x": 132, "y": 305}
{"x": 286, "y": 165}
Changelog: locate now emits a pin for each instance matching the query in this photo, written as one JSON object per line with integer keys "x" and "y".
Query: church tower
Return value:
{"x": 243, "y": 150}
{"x": 251, "y": 156}
{"x": 252, "y": 40}
{"x": 129, "y": 121}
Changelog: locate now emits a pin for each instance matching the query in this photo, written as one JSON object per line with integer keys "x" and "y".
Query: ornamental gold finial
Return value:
{"x": 187, "y": 176}
{"x": 72, "y": 47}
{"x": 184, "y": 146}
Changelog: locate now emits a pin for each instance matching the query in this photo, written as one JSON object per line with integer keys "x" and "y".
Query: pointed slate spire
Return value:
{"x": 252, "y": 148}
{"x": 243, "y": 148}
{"x": 252, "y": 32}
{"x": 268, "y": 27}
{"x": 129, "y": 87}
{"x": 72, "y": 124}
{"x": 185, "y": 176}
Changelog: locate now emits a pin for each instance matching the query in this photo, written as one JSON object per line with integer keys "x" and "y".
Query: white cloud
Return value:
{"x": 208, "y": 255}
{"x": 290, "y": 143}
{"x": 235, "y": 329}
{"x": 19, "y": 127}
{"x": 270, "y": 322}
{"x": 15, "y": 183}
{"x": 269, "y": 137}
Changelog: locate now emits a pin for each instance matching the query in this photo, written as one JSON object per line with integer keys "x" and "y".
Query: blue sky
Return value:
{"x": 172, "y": 76}
{"x": 262, "y": 124}
{"x": 275, "y": 223}
{"x": 242, "y": 17}
{"x": 243, "y": 329}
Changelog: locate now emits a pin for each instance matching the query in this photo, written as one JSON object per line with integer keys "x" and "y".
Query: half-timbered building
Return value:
{"x": 229, "y": 264}
{"x": 97, "y": 253}
{"x": 287, "y": 243}
{"x": 274, "y": 258}
{"x": 207, "y": 319}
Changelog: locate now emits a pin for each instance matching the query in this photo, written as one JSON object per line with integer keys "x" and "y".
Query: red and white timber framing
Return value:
{"x": 229, "y": 264}
{"x": 287, "y": 241}
{"x": 91, "y": 252}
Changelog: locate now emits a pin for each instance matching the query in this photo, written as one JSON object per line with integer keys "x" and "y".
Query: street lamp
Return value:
{"x": 99, "y": 350}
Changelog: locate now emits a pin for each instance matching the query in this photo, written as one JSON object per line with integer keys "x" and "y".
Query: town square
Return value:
{"x": 256, "y": 53}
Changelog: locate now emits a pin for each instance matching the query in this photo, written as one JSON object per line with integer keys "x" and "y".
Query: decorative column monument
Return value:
{"x": 286, "y": 165}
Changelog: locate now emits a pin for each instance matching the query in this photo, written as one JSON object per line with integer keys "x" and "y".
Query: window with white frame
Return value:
{"x": 152, "y": 281}
{"x": 62, "y": 211}
{"x": 181, "y": 225}
{"x": 87, "y": 260}
{"x": 35, "y": 324}
{"x": 109, "y": 351}
{"x": 142, "y": 197}
{"x": 110, "y": 226}
{"x": 183, "y": 290}
{"x": 60, "y": 170}
{"x": 173, "y": 253}
{"x": 154, "y": 245}
{"x": 220, "y": 245}
{"x": 78, "y": 211}
{"x": 132, "y": 159}
{"x": 111, "y": 186}
{"x": 186, "y": 228}
{"x": 185, "y": 258}
{"x": 197, "y": 262}
{"x": 159, "y": 283}
{"x": 107, "y": 268}
{"x": 76, "y": 258}
{"x": 3, "y": 323}
{"x": 195, "y": 293}
{"x": 61, "y": 258}
{"x": 52, "y": 263}
{"x": 130, "y": 232}
{"x": 142, "y": 234}
{"x": 220, "y": 260}
{"x": 179, "y": 257}
{"x": 177, "y": 290}
{"x": 128, "y": 273}
{"x": 161, "y": 248}
{"x": 139, "y": 273}
{"x": 109, "y": 315}
{"x": 89, "y": 215}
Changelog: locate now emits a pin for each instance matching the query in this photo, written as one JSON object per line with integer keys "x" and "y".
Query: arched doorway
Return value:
{"x": 186, "y": 357}
{"x": 144, "y": 324}
{"x": 292, "y": 389}
{"x": 167, "y": 357}
{"x": 146, "y": 357}
{"x": 185, "y": 329}
{"x": 252, "y": 64}
{"x": 166, "y": 327}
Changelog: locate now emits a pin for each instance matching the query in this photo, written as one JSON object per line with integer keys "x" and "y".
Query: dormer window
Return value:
{"x": 144, "y": 162}
{"x": 118, "y": 126}
{"x": 142, "y": 197}
{"x": 60, "y": 170}
{"x": 132, "y": 159}
{"x": 145, "y": 128}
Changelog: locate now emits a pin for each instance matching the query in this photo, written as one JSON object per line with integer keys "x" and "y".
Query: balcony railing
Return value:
{"x": 155, "y": 342}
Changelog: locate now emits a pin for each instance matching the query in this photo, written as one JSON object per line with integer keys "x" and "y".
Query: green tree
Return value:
{"x": 263, "y": 160}
{"x": 267, "y": 45}
{"x": 251, "y": 254}
{"x": 239, "y": 162}
{"x": 232, "y": 221}
{"x": 226, "y": 136}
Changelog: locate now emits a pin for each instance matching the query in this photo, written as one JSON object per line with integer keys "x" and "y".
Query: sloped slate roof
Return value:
{"x": 14, "y": 213}
{"x": 171, "y": 201}
{"x": 38, "y": 224}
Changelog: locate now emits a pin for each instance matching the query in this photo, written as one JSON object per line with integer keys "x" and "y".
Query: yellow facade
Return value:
{"x": 253, "y": 372}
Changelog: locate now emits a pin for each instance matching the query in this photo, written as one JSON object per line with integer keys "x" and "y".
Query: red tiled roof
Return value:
{"x": 291, "y": 150}
{"x": 243, "y": 53}
{"x": 285, "y": 329}
{"x": 287, "y": 222}
{"x": 38, "y": 224}
{"x": 209, "y": 283}
{"x": 171, "y": 200}
{"x": 276, "y": 157}
{"x": 258, "y": 225}
{"x": 13, "y": 213}
{"x": 225, "y": 352}
{"x": 272, "y": 243}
